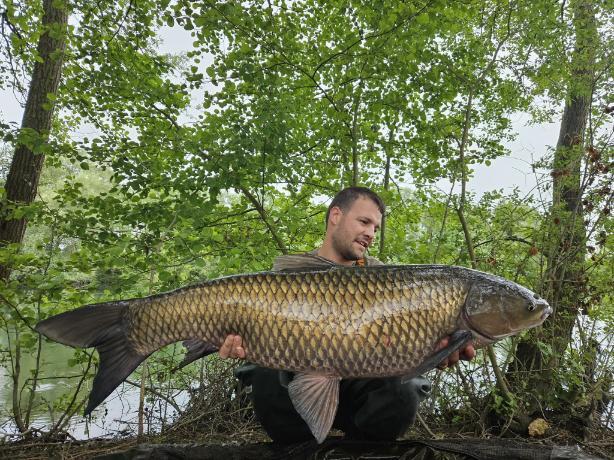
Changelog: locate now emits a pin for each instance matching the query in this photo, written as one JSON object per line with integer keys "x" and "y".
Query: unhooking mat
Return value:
{"x": 338, "y": 449}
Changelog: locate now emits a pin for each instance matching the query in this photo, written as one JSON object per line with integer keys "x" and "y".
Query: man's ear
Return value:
{"x": 335, "y": 215}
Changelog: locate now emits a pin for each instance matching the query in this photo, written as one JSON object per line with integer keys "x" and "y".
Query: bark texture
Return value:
{"x": 23, "y": 177}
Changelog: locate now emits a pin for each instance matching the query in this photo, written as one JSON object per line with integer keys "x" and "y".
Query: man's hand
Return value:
{"x": 232, "y": 347}
{"x": 467, "y": 353}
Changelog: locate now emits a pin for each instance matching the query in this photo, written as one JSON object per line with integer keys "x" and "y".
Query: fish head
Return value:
{"x": 496, "y": 308}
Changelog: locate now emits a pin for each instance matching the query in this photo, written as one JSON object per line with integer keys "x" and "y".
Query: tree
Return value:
{"x": 32, "y": 142}
{"x": 574, "y": 169}
{"x": 566, "y": 275}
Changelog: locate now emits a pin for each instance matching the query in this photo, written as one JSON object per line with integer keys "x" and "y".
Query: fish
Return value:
{"x": 322, "y": 323}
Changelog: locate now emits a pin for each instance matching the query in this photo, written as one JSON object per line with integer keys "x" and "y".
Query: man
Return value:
{"x": 375, "y": 409}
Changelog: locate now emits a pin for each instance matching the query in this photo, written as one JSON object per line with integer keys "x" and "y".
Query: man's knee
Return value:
{"x": 273, "y": 407}
{"x": 418, "y": 386}
{"x": 388, "y": 411}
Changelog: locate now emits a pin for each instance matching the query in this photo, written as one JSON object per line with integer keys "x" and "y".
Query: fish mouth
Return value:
{"x": 544, "y": 306}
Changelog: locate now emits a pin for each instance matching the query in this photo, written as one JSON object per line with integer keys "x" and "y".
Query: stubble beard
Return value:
{"x": 343, "y": 246}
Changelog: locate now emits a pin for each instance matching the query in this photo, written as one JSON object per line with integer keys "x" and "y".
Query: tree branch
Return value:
{"x": 263, "y": 215}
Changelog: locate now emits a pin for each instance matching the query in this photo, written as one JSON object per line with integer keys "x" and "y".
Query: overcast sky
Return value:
{"x": 505, "y": 173}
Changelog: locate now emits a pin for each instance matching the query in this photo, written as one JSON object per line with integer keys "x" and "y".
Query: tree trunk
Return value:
{"x": 265, "y": 218}
{"x": 22, "y": 180}
{"x": 354, "y": 138}
{"x": 568, "y": 239}
{"x": 566, "y": 251}
{"x": 386, "y": 185}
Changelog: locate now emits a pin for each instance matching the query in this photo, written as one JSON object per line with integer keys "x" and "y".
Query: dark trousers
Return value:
{"x": 369, "y": 409}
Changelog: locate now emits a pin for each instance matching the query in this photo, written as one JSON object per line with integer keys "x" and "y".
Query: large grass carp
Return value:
{"x": 324, "y": 325}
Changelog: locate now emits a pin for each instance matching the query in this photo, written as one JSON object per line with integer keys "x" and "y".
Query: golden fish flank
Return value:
{"x": 335, "y": 317}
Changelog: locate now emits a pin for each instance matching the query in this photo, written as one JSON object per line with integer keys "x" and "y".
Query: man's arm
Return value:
{"x": 467, "y": 353}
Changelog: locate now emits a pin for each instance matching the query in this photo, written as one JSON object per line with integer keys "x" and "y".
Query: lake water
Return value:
{"x": 117, "y": 415}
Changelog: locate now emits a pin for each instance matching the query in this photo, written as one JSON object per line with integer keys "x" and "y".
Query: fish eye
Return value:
{"x": 531, "y": 307}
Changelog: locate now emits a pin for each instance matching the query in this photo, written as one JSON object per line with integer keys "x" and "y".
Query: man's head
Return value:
{"x": 352, "y": 219}
{"x": 346, "y": 197}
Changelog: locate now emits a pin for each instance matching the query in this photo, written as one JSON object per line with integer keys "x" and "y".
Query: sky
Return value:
{"x": 508, "y": 172}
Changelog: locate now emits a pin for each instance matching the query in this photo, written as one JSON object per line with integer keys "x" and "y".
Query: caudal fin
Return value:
{"x": 101, "y": 326}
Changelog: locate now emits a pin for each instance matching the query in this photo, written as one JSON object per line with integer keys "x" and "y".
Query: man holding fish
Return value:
{"x": 338, "y": 345}
{"x": 370, "y": 408}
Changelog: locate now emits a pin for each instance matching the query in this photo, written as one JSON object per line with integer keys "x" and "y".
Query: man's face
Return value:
{"x": 354, "y": 230}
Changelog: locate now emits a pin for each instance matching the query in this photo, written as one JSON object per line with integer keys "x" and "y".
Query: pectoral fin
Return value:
{"x": 197, "y": 348}
{"x": 315, "y": 398}
{"x": 457, "y": 340}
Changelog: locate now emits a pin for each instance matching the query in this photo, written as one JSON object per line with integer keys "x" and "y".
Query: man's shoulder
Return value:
{"x": 373, "y": 261}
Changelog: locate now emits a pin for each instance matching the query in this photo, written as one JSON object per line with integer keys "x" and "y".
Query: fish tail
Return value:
{"x": 101, "y": 326}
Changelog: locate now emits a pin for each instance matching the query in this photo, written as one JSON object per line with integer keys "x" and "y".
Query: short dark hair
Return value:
{"x": 346, "y": 197}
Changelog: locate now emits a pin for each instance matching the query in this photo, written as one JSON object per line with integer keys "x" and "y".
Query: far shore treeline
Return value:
{"x": 136, "y": 171}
